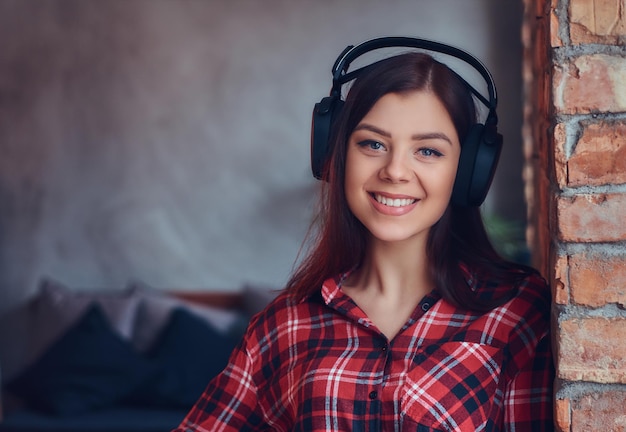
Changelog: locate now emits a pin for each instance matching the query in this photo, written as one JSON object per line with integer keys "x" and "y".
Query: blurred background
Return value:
{"x": 167, "y": 141}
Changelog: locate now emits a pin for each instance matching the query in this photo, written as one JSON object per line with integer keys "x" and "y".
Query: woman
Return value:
{"x": 402, "y": 316}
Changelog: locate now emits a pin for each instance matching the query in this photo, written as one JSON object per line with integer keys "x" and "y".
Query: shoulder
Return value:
{"x": 285, "y": 304}
{"x": 272, "y": 313}
{"x": 531, "y": 293}
{"x": 524, "y": 302}
{"x": 535, "y": 289}
{"x": 515, "y": 285}
{"x": 279, "y": 332}
{"x": 272, "y": 323}
{"x": 528, "y": 311}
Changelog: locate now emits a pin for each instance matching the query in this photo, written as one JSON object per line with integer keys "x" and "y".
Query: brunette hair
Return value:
{"x": 459, "y": 238}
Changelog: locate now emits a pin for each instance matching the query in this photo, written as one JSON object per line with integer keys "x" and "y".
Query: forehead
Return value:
{"x": 415, "y": 110}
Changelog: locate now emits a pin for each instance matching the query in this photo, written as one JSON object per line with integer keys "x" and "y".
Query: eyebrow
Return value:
{"x": 417, "y": 137}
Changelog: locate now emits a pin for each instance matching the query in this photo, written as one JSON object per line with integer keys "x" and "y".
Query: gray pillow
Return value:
{"x": 56, "y": 308}
{"x": 155, "y": 308}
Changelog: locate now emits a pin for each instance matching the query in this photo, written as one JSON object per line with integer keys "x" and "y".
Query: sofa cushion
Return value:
{"x": 188, "y": 353}
{"x": 90, "y": 366}
{"x": 155, "y": 309}
{"x": 28, "y": 330}
{"x": 57, "y": 307}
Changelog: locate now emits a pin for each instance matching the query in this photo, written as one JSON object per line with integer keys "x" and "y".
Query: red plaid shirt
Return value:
{"x": 322, "y": 365}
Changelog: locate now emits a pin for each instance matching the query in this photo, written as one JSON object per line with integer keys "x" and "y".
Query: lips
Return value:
{"x": 392, "y": 201}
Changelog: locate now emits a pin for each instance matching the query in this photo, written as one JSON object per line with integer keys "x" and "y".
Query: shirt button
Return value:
{"x": 384, "y": 348}
{"x": 425, "y": 306}
{"x": 373, "y": 394}
{"x": 419, "y": 358}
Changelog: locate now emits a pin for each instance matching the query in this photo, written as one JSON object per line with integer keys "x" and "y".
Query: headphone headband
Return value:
{"x": 341, "y": 75}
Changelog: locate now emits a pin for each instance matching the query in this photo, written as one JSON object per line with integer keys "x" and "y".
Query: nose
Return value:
{"x": 396, "y": 168}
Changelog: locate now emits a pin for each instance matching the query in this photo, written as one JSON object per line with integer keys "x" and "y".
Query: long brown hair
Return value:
{"x": 339, "y": 241}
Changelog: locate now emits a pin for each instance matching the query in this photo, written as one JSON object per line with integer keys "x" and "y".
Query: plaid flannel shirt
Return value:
{"x": 322, "y": 365}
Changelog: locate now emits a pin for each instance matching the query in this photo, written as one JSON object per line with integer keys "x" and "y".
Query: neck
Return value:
{"x": 396, "y": 270}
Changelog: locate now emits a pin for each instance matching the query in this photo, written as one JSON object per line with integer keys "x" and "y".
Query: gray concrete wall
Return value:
{"x": 168, "y": 140}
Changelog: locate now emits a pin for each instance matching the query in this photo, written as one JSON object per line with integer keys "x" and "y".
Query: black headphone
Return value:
{"x": 479, "y": 152}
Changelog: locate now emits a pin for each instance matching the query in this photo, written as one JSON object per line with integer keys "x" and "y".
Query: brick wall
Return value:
{"x": 575, "y": 149}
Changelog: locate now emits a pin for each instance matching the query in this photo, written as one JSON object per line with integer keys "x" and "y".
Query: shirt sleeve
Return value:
{"x": 528, "y": 398}
{"x": 229, "y": 403}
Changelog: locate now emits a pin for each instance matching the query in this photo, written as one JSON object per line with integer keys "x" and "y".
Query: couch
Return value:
{"x": 128, "y": 360}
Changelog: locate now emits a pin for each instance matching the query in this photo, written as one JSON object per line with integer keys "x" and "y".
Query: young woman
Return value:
{"x": 402, "y": 317}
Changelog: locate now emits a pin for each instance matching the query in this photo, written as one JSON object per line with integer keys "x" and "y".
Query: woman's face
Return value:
{"x": 400, "y": 166}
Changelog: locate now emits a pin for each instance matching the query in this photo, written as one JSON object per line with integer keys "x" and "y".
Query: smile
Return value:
{"x": 394, "y": 202}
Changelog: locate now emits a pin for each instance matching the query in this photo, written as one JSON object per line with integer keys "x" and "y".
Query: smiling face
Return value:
{"x": 401, "y": 164}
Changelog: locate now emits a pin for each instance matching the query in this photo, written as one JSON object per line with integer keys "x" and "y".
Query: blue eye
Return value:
{"x": 374, "y": 145}
{"x": 428, "y": 152}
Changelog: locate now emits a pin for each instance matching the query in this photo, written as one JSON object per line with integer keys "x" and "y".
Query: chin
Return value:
{"x": 398, "y": 236}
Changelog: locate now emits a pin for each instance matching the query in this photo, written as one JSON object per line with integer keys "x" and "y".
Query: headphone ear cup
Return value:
{"x": 477, "y": 165}
{"x": 325, "y": 113}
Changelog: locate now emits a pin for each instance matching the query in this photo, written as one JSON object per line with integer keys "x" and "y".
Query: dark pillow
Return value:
{"x": 89, "y": 367}
{"x": 189, "y": 353}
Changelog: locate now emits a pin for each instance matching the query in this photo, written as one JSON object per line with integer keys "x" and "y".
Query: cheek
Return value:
{"x": 355, "y": 179}
{"x": 452, "y": 176}
{"x": 453, "y": 169}
{"x": 353, "y": 175}
{"x": 443, "y": 181}
{"x": 351, "y": 186}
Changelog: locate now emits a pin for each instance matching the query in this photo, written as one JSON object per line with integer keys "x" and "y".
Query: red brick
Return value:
{"x": 560, "y": 285}
{"x": 560, "y": 156}
{"x": 592, "y": 349}
{"x": 562, "y": 415}
{"x": 600, "y": 412}
{"x": 600, "y": 155}
{"x": 555, "y": 38}
{"x": 592, "y": 217}
{"x": 596, "y": 279}
{"x": 590, "y": 83}
{"x": 597, "y": 21}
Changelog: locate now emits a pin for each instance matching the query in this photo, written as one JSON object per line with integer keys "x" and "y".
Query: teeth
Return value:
{"x": 393, "y": 202}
